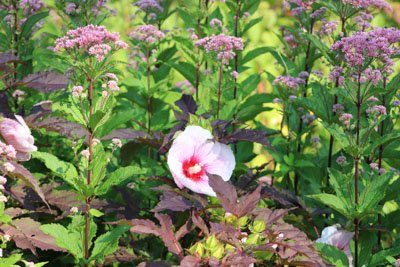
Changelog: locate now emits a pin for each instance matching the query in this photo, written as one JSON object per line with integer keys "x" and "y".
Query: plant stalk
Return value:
{"x": 357, "y": 168}
{"x": 380, "y": 156}
{"x": 89, "y": 171}
{"x": 219, "y": 89}
{"x": 198, "y": 56}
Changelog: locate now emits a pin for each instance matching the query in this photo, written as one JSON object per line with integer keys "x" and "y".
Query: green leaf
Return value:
{"x": 254, "y": 53}
{"x": 380, "y": 258}
{"x": 118, "y": 177}
{"x": 96, "y": 213}
{"x": 11, "y": 261}
{"x": 333, "y": 202}
{"x": 374, "y": 192}
{"x": 187, "y": 70}
{"x": 62, "y": 169}
{"x": 333, "y": 255}
{"x": 249, "y": 85}
{"x": 385, "y": 140}
{"x": 26, "y": 28}
{"x": 71, "y": 241}
{"x": 251, "y": 23}
{"x": 284, "y": 61}
{"x": 99, "y": 164}
{"x": 107, "y": 243}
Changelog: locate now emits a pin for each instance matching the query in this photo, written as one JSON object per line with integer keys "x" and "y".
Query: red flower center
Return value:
{"x": 193, "y": 169}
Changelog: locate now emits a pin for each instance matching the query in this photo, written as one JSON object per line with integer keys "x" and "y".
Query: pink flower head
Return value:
{"x": 380, "y": 4}
{"x": 193, "y": 154}
{"x": 378, "y": 45}
{"x": 149, "y": 5}
{"x": 95, "y": 40}
{"x": 223, "y": 45}
{"x": 339, "y": 238}
{"x": 18, "y": 134}
{"x": 289, "y": 82}
{"x": 147, "y": 33}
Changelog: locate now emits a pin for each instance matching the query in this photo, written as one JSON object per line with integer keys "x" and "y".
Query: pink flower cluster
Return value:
{"x": 289, "y": 81}
{"x": 381, "y": 4}
{"x": 186, "y": 87}
{"x": 95, "y": 40}
{"x": 147, "y": 33}
{"x": 147, "y": 5}
{"x": 31, "y": 6}
{"x": 346, "y": 118}
{"x": 361, "y": 47}
{"x": 224, "y": 45}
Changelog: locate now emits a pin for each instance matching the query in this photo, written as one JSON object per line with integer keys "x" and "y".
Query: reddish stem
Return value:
{"x": 357, "y": 168}
{"x": 219, "y": 90}
{"x": 89, "y": 171}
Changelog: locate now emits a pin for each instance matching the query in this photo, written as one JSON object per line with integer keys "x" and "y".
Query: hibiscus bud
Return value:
{"x": 18, "y": 134}
{"x": 3, "y": 180}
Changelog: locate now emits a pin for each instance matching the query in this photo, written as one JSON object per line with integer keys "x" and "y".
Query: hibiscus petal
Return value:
{"x": 224, "y": 164}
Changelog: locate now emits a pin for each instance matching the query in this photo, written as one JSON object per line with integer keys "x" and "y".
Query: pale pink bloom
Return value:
{"x": 113, "y": 85}
{"x": 18, "y": 134}
{"x": 3, "y": 199}
{"x": 7, "y": 237}
{"x": 8, "y": 167}
{"x": 117, "y": 142}
{"x": 104, "y": 93}
{"x": 18, "y": 93}
{"x": 193, "y": 154}
{"x": 74, "y": 210}
{"x": 77, "y": 91}
{"x": 339, "y": 238}
{"x": 3, "y": 180}
{"x": 95, "y": 142}
{"x": 85, "y": 153}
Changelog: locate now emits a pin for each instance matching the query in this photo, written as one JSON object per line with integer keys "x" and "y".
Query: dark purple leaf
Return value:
{"x": 238, "y": 259}
{"x": 26, "y": 176}
{"x": 271, "y": 216}
{"x": 8, "y": 57}
{"x": 45, "y": 82}
{"x": 141, "y": 226}
{"x": 173, "y": 201}
{"x": 167, "y": 234}
{"x": 200, "y": 223}
{"x": 38, "y": 111}
{"x": 121, "y": 255}
{"x": 62, "y": 126}
{"x": 126, "y": 134}
{"x": 184, "y": 230}
{"x": 255, "y": 136}
{"x": 284, "y": 197}
{"x": 187, "y": 104}
{"x": 225, "y": 191}
{"x": 248, "y": 203}
{"x": 154, "y": 264}
{"x": 5, "y": 110}
{"x": 190, "y": 261}
{"x": 27, "y": 235}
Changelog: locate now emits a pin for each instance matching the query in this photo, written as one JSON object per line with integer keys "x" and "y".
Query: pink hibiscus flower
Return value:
{"x": 18, "y": 134}
{"x": 193, "y": 154}
{"x": 339, "y": 238}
